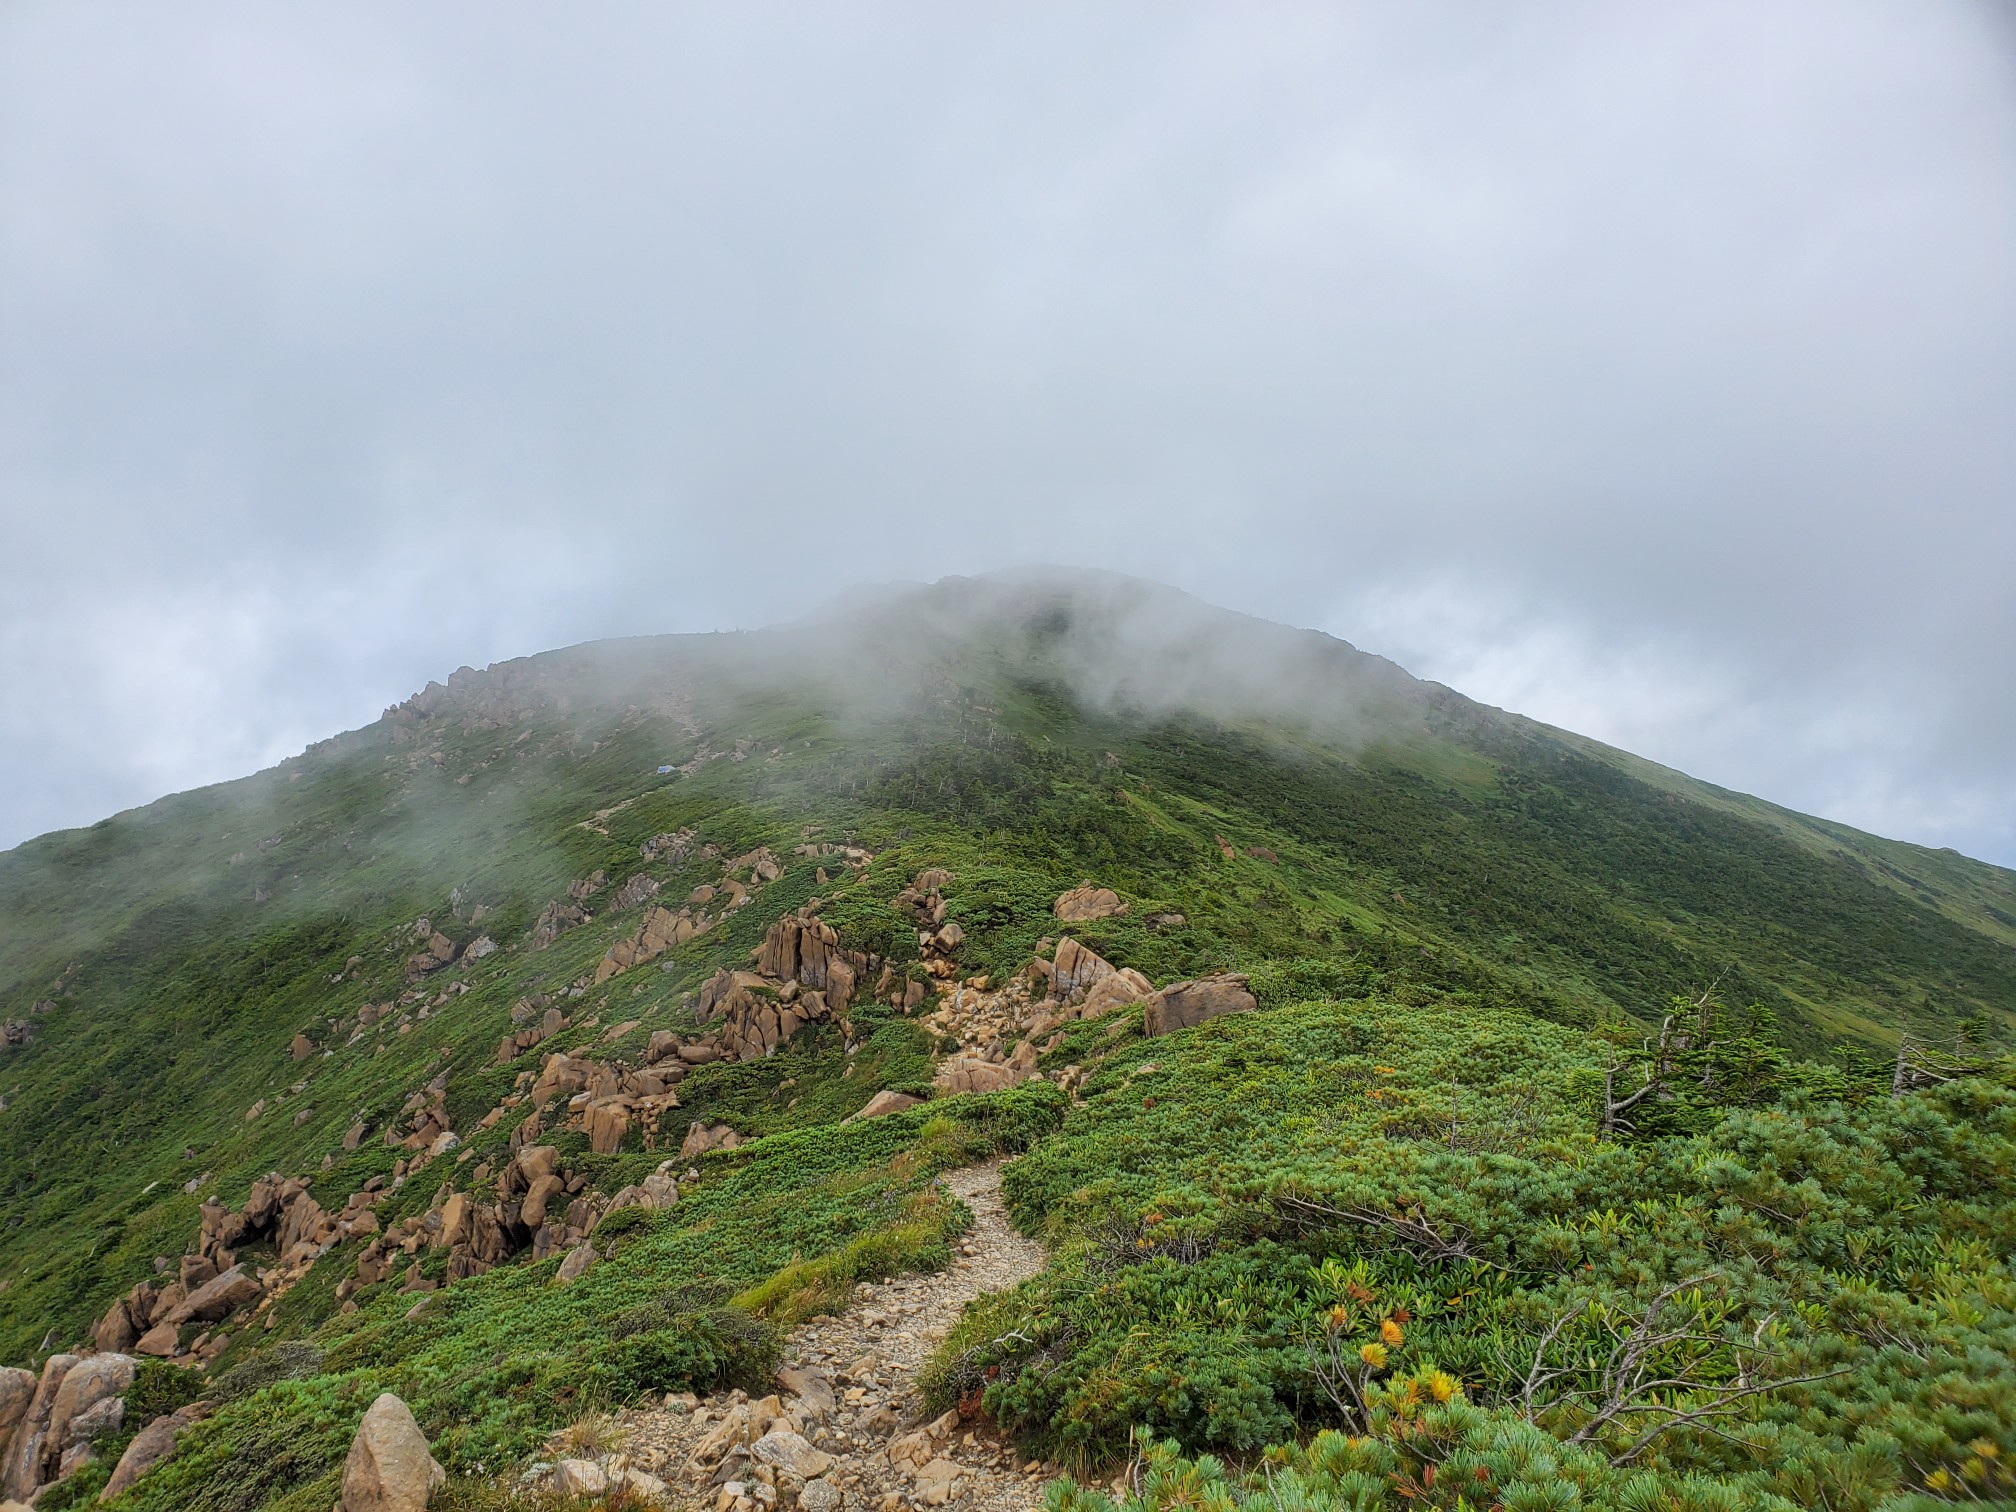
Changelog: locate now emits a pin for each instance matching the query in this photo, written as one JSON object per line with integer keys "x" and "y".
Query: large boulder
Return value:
{"x": 970, "y": 1073}
{"x": 217, "y": 1298}
{"x": 1088, "y": 902}
{"x": 1185, "y": 1004}
{"x": 150, "y": 1446}
{"x": 22, "y": 1471}
{"x": 17, "y": 1390}
{"x": 1120, "y": 988}
{"x": 882, "y": 1103}
{"x": 1074, "y": 969}
{"x": 96, "y": 1384}
{"x": 390, "y": 1468}
{"x": 702, "y": 1137}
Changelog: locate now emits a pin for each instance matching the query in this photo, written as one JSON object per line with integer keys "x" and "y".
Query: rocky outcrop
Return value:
{"x": 1183, "y": 1005}
{"x": 641, "y": 887}
{"x": 390, "y": 1467}
{"x": 662, "y": 930}
{"x": 669, "y": 848}
{"x": 1088, "y": 902}
{"x": 436, "y": 953}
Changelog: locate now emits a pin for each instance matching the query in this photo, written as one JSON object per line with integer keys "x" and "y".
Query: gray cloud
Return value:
{"x": 1653, "y": 373}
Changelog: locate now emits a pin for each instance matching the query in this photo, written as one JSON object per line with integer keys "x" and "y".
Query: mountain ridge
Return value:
{"x": 977, "y": 801}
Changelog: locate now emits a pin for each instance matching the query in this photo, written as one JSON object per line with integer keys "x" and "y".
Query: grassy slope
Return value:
{"x": 1436, "y": 849}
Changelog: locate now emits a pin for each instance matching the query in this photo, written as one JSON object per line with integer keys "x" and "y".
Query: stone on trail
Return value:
{"x": 937, "y": 1481}
{"x": 577, "y": 1477}
{"x": 390, "y": 1468}
{"x": 782, "y": 1450}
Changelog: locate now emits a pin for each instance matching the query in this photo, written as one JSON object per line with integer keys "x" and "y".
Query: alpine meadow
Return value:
{"x": 1034, "y": 1040}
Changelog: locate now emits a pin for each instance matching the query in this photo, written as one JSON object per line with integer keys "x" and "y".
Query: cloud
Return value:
{"x": 340, "y": 348}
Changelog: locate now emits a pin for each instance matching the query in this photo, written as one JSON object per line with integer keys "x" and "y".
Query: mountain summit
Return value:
{"x": 588, "y": 1027}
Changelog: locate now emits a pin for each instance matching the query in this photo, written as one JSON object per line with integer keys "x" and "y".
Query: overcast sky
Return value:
{"x": 1648, "y": 369}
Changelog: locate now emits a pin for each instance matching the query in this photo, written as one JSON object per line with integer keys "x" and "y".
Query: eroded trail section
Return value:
{"x": 847, "y": 1428}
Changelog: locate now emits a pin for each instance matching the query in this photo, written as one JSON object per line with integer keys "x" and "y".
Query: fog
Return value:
{"x": 1651, "y": 373}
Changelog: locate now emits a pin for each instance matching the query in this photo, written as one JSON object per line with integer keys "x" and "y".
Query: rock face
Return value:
{"x": 390, "y": 1468}
{"x": 1185, "y": 1004}
{"x": 34, "y": 1443}
{"x": 1088, "y": 902}
{"x": 17, "y": 1390}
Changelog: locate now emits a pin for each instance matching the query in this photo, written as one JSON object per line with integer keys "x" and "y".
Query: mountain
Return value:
{"x": 651, "y": 896}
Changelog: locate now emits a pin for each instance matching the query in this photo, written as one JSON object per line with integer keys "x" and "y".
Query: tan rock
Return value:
{"x": 577, "y": 1477}
{"x": 88, "y": 1386}
{"x": 150, "y": 1446}
{"x": 21, "y": 1472}
{"x": 937, "y": 1481}
{"x": 882, "y": 1103}
{"x": 576, "y": 1264}
{"x": 1088, "y": 902}
{"x": 302, "y": 1047}
{"x": 17, "y": 1390}
{"x": 783, "y": 1450}
{"x": 971, "y": 1073}
{"x": 1115, "y": 991}
{"x": 390, "y": 1468}
{"x": 217, "y": 1298}
{"x": 1186, "y": 1004}
{"x": 160, "y": 1341}
{"x": 1075, "y": 968}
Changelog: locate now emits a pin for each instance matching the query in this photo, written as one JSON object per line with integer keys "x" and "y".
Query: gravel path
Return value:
{"x": 849, "y": 1388}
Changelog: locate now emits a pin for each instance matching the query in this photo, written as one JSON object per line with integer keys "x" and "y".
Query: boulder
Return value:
{"x": 702, "y": 1137}
{"x": 884, "y": 1102}
{"x": 606, "y": 1123}
{"x": 150, "y": 1446}
{"x": 1185, "y": 1004}
{"x": 1088, "y": 902}
{"x": 93, "y": 1383}
{"x": 1115, "y": 991}
{"x": 390, "y": 1468}
{"x": 114, "y": 1332}
{"x": 17, "y": 1390}
{"x": 160, "y": 1341}
{"x": 576, "y": 1264}
{"x": 821, "y": 1496}
{"x": 1075, "y": 969}
{"x": 217, "y": 1298}
{"x": 22, "y": 1471}
{"x": 970, "y": 1073}
{"x": 103, "y": 1417}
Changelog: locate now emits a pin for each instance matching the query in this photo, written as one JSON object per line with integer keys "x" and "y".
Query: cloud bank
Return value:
{"x": 1652, "y": 373}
